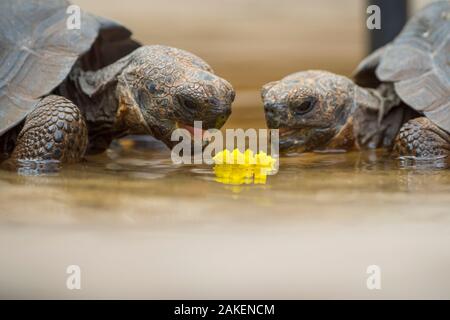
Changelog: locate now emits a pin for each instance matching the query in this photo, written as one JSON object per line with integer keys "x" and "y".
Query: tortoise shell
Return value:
{"x": 418, "y": 63}
{"x": 38, "y": 51}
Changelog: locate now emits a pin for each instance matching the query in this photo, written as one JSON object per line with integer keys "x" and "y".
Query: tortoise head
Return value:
{"x": 311, "y": 109}
{"x": 171, "y": 88}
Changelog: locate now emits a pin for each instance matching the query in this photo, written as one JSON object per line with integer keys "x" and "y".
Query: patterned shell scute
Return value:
{"x": 37, "y": 52}
{"x": 418, "y": 62}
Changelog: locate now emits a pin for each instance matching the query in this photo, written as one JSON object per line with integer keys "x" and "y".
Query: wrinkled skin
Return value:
{"x": 311, "y": 109}
{"x": 172, "y": 88}
{"x": 153, "y": 90}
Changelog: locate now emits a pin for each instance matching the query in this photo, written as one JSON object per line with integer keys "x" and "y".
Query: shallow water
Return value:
{"x": 140, "y": 226}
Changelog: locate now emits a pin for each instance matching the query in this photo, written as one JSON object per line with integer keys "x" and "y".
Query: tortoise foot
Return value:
{"x": 55, "y": 130}
{"x": 419, "y": 138}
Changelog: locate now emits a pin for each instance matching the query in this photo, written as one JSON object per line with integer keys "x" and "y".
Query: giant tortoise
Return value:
{"x": 66, "y": 91}
{"x": 400, "y": 97}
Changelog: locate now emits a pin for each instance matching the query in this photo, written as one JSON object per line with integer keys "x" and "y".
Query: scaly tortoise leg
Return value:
{"x": 422, "y": 139}
{"x": 55, "y": 130}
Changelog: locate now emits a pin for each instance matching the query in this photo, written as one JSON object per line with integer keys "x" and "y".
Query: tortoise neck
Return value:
{"x": 344, "y": 139}
{"x": 378, "y": 116}
{"x": 128, "y": 118}
{"x": 114, "y": 97}
{"x": 99, "y": 106}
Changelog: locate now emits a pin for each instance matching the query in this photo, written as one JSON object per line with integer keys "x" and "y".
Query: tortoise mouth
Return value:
{"x": 291, "y": 139}
{"x": 286, "y": 132}
{"x": 305, "y": 139}
{"x": 195, "y": 132}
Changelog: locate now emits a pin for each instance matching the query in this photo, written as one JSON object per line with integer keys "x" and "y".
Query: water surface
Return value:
{"x": 142, "y": 227}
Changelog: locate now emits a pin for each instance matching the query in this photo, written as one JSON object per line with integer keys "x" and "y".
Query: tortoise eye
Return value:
{"x": 305, "y": 106}
{"x": 187, "y": 103}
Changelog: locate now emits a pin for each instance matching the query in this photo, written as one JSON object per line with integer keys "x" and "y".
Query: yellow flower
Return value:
{"x": 237, "y": 157}
{"x": 262, "y": 159}
{"x": 222, "y": 157}
{"x": 249, "y": 157}
{"x": 242, "y": 168}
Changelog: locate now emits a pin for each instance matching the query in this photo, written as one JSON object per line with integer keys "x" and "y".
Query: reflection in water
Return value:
{"x": 137, "y": 181}
{"x": 237, "y": 168}
{"x": 144, "y": 187}
{"x": 32, "y": 167}
{"x": 425, "y": 164}
{"x": 236, "y": 174}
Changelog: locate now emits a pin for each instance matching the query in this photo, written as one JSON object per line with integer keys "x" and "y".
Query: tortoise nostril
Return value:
{"x": 268, "y": 104}
{"x": 232, "y": 95}
{"x": 214, "y": 102}
{"x": 274, "y": 106}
